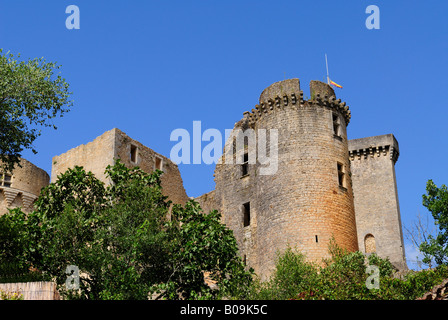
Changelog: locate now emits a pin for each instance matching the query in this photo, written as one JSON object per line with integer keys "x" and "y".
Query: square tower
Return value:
{"x": 377, "y": 209}
{"x": 96, "y": 155}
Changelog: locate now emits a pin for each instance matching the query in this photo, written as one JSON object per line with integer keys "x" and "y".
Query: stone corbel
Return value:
{"x": 293, "y": 98}
{"x": 10, "y": 195}
{"x": 277, "y": 101}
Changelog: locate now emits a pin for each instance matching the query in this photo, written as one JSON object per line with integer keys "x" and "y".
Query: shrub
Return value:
{"x": 342, "y": 277}
{"x": 4, "y": 295}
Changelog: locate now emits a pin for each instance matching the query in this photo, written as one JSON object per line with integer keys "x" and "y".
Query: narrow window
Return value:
{"x": 245, "y": 165}
{"x": 246, "y": 214}
{"x": 158, "y": 164}
{"x": 341, "y": 175}
{"x": 317, "y": 239}
{"x": 369, "y": 243}
{"x": 7, "y": 181}
{"x": 133, "y": 154}
{"x": 244, "y": 260}
{"x": 336, "y": 125}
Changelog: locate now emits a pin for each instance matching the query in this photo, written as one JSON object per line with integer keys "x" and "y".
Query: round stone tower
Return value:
{"x": 307, "y": 198}
{"x": 22, "y": 187}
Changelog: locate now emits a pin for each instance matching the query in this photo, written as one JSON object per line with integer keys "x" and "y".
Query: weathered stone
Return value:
{"x": 23, "y": 187}
{"x": 304, "y": 205}
{"x": 377, "y": 208}
{"x": 95, "y": 156}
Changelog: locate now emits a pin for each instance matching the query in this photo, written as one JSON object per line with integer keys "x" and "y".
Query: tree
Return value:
{"x": 113, "y": 235}
{"x": 418, "y": 232}
{"x": 202, "y": 245}
{"x": 31, "y": 95}
{"x": 436, "y": 201}
{"x": 122, "y": 242}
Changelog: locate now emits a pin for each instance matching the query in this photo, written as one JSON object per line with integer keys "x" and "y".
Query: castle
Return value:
{"x": 325, "y": 185}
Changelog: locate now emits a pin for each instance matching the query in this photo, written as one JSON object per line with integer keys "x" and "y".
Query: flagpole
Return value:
{"x": 328, "y": 76}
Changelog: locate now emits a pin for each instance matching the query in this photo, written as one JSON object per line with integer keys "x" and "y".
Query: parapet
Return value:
{"x": 376, "y": 145}
{"x": 320, "y": 88}
{"x": 288, "y": 93}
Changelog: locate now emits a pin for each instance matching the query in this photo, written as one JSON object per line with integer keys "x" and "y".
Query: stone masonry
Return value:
{"x": 22, "y": 187}
{"x": 376, "y": 198}
{"x": 320, "y": 190}
{"x": 324, "y": 186}
{"x": 95, "y": 156}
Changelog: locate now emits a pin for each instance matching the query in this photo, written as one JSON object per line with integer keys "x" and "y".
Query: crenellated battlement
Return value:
{"x": 287, "y": 93}
{"x": 374, "y": 151}
{"x": 385, "y": 145}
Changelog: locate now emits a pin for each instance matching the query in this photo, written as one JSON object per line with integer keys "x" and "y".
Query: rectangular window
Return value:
{"x": 246, "y": 214}
{"x": 5, "y": 180}
{"x": 341, "y": 175}
{"x": 336, "y": 125}
{"x": 158, "y": 163}
{"x": 245, "y": 165}
{"x": 133, "y": 153}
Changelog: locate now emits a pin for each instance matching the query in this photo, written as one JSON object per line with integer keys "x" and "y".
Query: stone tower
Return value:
{"x": 22, "y": 187}
{"x": 377, "y": 208}
{"x": 96, "y": 155}
{"x": 309, "y": 199}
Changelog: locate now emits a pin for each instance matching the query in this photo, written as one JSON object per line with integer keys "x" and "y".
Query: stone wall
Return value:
{"x": 22, "y": 187}
{"x": 376, "y": 199}
{"x": 42, "y": 290}
{"x": 149, "y": 160}
{"x": 302, "y": 205}
{"x": 207, "y": 201}
{"x": 95, "y": 156}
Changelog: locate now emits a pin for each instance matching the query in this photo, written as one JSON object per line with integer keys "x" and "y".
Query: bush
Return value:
{"x": 342, "y": 277}
{"x": 10, "y": 295}
{"x": 293, "y": 275}
{"x": 413, "y": 285}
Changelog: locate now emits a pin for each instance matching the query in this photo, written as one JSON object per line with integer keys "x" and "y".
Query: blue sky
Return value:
{"x": 149, "y": 67}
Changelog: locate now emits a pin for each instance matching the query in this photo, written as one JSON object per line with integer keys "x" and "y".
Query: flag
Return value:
{"x": 335, "y": 84}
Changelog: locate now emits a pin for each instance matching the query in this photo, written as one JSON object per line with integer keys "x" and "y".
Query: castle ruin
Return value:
{"x": 325, "y": 186}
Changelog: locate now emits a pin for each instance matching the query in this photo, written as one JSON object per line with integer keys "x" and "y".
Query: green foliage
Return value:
{"x": 413, "y": 285}
{"x": 292, "y": 276}
{"x": 122, "y": 241}
{"x": 113, "y": 235}
{"x": 31, "y": 95}
{"x": 436, "y": 201}
{"x": 12, "y": 237}
{"x": 342, "y": 277}
{"x": 202, "y": 245}
{"x": 14, "y": 249}
{"x": 10, "y": 295}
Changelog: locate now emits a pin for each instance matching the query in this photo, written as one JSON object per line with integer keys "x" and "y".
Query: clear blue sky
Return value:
{"x": 149, "y": 67}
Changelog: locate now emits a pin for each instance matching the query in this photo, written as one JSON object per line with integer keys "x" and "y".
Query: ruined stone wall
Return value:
{"x": 302, "y": 204}
{"x": 22, "y": 187}
{"x": 207, "y": 201}
{"x": 376, "y": 199}
{"x": 114, "y": 144}
{"x": 149, "y": 160}
{"x": 94, "y": 156}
